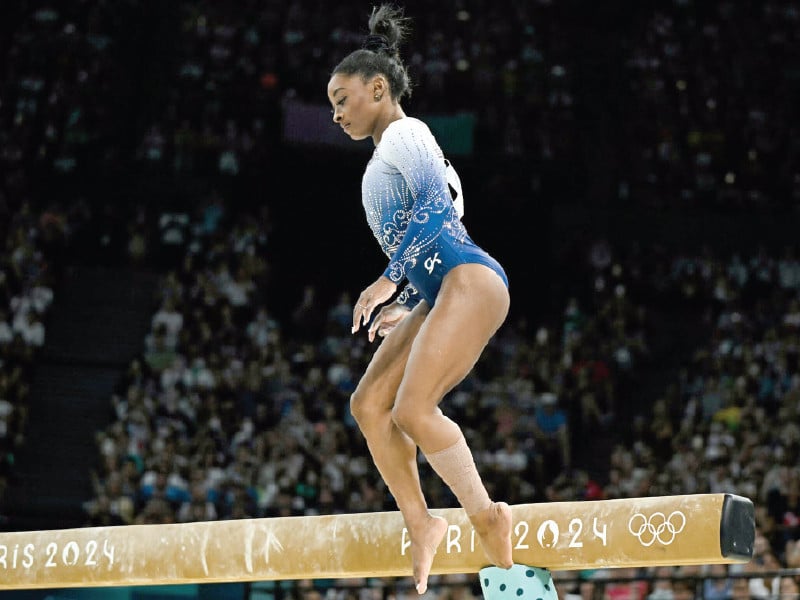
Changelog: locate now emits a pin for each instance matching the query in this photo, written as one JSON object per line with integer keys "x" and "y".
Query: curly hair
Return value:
{"x": 380, "y": 53}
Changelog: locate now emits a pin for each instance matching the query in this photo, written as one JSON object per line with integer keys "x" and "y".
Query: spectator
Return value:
{"x": 552, "y": 435}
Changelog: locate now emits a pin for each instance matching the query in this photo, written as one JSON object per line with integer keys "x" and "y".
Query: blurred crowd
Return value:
{"x": 251, "y": 412}
{"x": 714, "y": 113}
{"x": 234, "y": 66}
{"x": 29, "y": 263}
{"x": 232, "y": 412}
{"x": 694, "y": 105}
{"x": 702, "y": 110}
{"x": 61, "y": 84}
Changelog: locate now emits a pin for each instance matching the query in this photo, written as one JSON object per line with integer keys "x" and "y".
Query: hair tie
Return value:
{"x": 377, "y": 43}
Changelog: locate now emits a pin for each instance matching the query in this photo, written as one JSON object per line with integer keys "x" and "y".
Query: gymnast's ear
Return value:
{"x": 379, "y": 86}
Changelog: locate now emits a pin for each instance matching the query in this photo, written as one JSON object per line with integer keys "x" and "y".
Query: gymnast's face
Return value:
{"x": 356, "y": 103}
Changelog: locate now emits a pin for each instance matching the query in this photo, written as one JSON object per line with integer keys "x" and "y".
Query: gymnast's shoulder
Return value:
{"x": 404, "y": 137}
{"x": 407, "y": 128}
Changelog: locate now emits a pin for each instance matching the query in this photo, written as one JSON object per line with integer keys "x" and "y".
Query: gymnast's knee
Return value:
{"x": 406, "y": 417}
{"x": 366, "y": 410}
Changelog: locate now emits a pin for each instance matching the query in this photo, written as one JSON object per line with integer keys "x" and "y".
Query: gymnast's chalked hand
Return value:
{"x": 387, "y": 319}
{"x": 372, "y": 297}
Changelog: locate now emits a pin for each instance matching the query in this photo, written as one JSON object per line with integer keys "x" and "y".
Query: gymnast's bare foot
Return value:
{"x": 493, "y": 526}
{"x": 425, "y": 538}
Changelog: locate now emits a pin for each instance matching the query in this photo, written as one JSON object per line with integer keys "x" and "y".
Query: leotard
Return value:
{"x": 406, "y": 193}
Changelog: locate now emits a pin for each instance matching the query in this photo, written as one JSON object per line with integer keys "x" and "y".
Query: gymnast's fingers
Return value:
{"x": 361, "y": 313}
{"x": 376, "y": 325}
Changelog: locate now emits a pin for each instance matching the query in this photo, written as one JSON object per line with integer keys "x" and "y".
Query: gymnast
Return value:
{"x": 455, "y": 298}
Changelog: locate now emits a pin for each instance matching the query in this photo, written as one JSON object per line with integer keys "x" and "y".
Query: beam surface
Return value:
{"x": 667, "y": 530}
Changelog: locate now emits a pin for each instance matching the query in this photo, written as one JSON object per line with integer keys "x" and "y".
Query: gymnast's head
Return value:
{"x": 369, "y": 82}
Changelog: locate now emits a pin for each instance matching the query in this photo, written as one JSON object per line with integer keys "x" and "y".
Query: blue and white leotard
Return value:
{"x": 412, "y": 214}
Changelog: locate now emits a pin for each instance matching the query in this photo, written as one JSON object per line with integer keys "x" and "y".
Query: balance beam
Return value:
{"x": 636, "y": 532}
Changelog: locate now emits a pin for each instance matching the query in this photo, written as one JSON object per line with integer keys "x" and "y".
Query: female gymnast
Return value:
{"x": 433, "y": 333}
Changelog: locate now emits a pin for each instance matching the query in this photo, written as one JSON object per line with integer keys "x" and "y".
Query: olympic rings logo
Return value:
{"x": 657, "y": 527}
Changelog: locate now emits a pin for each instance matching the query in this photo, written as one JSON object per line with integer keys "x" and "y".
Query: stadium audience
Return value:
{"x": 225, "y": 417}
{"x": 230, "y": 412}
{"x": 29, "y": 263}
{"x": 713, "y": 119}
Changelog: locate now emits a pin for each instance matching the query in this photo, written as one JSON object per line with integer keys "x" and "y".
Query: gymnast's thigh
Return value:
{"x": 378, "y": 386}
{"x": 471, "y": 306}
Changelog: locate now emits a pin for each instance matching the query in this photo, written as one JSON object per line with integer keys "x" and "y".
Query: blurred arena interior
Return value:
{"x": 183, "y": 238}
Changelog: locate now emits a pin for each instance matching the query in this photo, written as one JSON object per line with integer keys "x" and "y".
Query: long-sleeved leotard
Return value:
{"x": 411, "y": 212}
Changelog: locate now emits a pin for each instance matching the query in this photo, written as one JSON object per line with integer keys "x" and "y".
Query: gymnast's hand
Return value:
{"x": 387, "y": 319}
{"x": 372, "y": 297}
